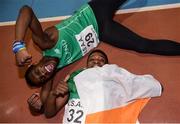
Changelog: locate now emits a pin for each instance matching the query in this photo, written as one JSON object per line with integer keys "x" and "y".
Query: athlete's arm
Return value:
{"x": 56, "y": 100}
{"x": 27, "y": 19}
{"x": 45, "y": 90}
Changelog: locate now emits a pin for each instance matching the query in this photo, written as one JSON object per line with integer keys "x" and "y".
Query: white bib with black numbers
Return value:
{"x": 87, "y": 39}
{"x": 74, "y": 112}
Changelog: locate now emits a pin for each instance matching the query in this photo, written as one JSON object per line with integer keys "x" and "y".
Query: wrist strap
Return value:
{"x": 18, "y": 46}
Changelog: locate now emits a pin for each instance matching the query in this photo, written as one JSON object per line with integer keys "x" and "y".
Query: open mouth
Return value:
{"x": 49, "y": 68}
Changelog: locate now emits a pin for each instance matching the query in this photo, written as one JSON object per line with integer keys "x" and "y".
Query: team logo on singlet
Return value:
{"x": 87, "y": 39}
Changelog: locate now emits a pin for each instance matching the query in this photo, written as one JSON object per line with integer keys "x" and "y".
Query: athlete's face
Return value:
{"x": 42, "y": 71}
{"x": 96, "y": 59}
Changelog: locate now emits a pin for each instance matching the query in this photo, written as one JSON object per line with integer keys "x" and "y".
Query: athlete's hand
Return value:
{"x": 34, "y": 102}
{"x": 61, "y": 89}
{"x": 23, "y": 58}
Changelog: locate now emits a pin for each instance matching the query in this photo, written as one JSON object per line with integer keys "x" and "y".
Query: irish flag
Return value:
{"x": 111, "y": 94}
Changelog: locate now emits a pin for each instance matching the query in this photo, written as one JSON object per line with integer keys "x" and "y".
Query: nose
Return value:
{"x": 96, "y": 62}
{"x": 42, "y": 72}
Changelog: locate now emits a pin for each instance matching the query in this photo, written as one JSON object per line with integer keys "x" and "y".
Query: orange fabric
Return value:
{"x": 125, "y": 114}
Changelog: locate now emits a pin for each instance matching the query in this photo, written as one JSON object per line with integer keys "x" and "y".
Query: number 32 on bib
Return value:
{"x": 87, "y": 39}
{"x": 74, "y": 113}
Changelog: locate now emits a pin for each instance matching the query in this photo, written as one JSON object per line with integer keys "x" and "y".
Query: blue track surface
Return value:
{"x": 51, "y": 8}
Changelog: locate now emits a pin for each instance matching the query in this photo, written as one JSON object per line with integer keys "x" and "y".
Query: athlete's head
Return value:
{"x": 38, "y": 74}
{"x": 97, "y": 58}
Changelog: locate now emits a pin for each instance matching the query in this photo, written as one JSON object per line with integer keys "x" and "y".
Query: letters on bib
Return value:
{"x": 74, "y": 112}
{"x": 87, "y": 39}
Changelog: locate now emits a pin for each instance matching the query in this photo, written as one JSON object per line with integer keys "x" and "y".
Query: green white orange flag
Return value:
{"x": 111, "y": 94}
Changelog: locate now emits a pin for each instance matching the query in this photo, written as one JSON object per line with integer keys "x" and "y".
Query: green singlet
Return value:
{"x": 71, "y": 85}
{"x": 77, "y": 36}
{"x": 74, "y": 111}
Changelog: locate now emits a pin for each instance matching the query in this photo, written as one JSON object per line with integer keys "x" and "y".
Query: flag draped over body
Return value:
{"x": 111, "y": 94}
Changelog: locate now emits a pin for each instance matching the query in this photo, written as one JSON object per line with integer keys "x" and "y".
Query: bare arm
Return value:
{"x": 55, "y": 101}
{"x": 45, "y": 90}
{"x": 37, "y": 101}
{"x": 54, "y": 104}
{"x": 27, "y": 19}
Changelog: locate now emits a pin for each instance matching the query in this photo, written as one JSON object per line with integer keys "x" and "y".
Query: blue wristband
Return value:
{"x": 18, "y": 45}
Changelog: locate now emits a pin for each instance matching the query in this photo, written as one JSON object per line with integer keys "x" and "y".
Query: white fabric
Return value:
{"x": 110, "y": 86}
{"x": 74, "y": 112}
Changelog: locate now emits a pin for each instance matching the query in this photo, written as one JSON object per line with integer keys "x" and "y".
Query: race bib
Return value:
{"x": 87, "y": 39}
{"x": 74, "y": 112}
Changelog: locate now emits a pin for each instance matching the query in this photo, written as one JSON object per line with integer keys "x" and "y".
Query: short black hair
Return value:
{"x": 99, "y": 51}
{"x": 28, "y": 79}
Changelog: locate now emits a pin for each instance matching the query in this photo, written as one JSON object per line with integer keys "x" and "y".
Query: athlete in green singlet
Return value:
{"x": 57, "y": 97}
{"x": 72, "y": 38}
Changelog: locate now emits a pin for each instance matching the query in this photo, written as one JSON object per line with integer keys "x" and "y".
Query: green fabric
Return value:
{"x": 68, "y": 49}
{"x": 71, "y": 85}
